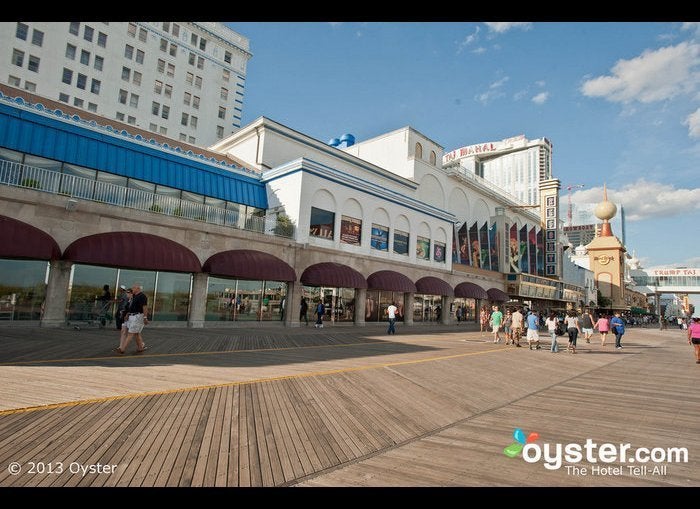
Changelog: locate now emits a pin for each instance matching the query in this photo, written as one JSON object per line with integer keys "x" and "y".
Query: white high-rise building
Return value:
{"x": 183, "y": 80}
{"x": 515, "y": 165}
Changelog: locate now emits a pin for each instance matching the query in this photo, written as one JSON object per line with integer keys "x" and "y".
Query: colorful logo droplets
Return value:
{"x": 516, "y": 447}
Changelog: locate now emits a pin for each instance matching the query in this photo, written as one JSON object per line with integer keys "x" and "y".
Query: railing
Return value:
{"x": 48, "y": 181}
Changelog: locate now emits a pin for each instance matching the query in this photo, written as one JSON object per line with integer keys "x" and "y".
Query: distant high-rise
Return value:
{"x": 184, "y": 80}
{"x": 584, "y": 223}
{"x": 515, "y": 165}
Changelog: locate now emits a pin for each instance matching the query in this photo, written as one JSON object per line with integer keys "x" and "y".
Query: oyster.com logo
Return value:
{"x": 516, "y": 447}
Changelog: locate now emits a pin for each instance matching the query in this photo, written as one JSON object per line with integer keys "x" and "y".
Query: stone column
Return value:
{"x": 56, "y": 294}
{"x": 291, "y": 305}
{"x": 408, "y": 308}
{"x": 198, "y": 304}
{"x": 446, "y": 318}
{"x": 360, "y": 308}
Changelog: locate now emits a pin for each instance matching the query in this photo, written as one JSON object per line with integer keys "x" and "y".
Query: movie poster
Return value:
{"x": 494, "y": 246}
{"x": 423, "y": 248}
{"x": 475, "y": 251}
{"x": 484, "y": 241}
{"x": 523, "y": 249}
{"x": 464, "y": 250}
{"x": 455, "y": 246}
{"x": 514, "y": 250}
{"x": 532, "y": 247}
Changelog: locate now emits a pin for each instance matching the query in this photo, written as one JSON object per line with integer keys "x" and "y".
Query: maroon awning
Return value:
{"x": 470, "y": 291}
{"x": 133, "y": 250}
{"x": 430, "y": 285}
{"x": 391, "y": 281}
{"x": 332, "y": 274}
{"x": 249, "y": 264}
{"x": 497, "y": 295}
{"x": 22, "y": 240}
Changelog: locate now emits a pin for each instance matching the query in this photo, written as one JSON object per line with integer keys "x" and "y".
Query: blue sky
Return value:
{"x": 619, "y": 101}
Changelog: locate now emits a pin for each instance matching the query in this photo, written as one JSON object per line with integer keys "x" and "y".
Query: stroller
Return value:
{"x": 96, "y": 315}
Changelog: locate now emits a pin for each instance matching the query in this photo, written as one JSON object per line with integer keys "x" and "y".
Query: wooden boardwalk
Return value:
{"x": 429, "y": 407}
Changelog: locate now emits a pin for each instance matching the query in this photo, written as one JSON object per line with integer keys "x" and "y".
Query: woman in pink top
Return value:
{"x": 603, "y": 326}
{"x": 694, "y": 337}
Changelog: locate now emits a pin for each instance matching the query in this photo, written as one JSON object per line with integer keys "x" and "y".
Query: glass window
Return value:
{"x": 198, "y": 81}
{"x": 168, "y": 92}
{"x": 78, "y": 181}
{"x": 322, "y": 223}
{"x": 129, "y": 52}
{"x": 137, "y": 78}
{"x": 43, "y": 163}
{"x": 14, "y": 81}
{"x": 158, "y": 87}
{"x": 400, "y": 242}
{"x": 126, "y": 73}
{"x": 33, "y": 63}
{"x": 134, "y": 101}
{"x": 74, "y": 27}
{"x": 166, "y": 112}
{"x": 219, "y": 131}
{"x": 380, "y": 237}
{"x": 172, "y": 297}
{"x": 37, "y": 37}
{"x": 195, "y": 102}
{"x": 92, "y": 107}
{"x": 161, "y": 65}
{"x": 70, "y": 51}
{"x": 131, "y": 29}
{"x": 67, "y": 76}
{"x": 163, "y": 130}
{"x": 176, "y": 30}
{"x": 224, "y": 93}
{"x": 99, "y": 62}
{"x": 191, "y": 139}
{"x": 350, "y": 230}
{"x": 31, "y": 87}
{"x": 193, "y": 197}
{"x": 85, "y": 57}
{"x": 155, "y": 108}
{"x": 226, "y": 75}
{"x": 95, "y": 86}
{"x": 22, "y": 31}
{"x": 166, "y": 26}
{"x": 419, "y": 151}
{"x": 203, "y": 44}
{"x": 227, "y": 57}
{"x": 185, "y": 119}
{"x": 422, "y": 248}
{"x": 193, "y": 122}
{"x": 64, "y": 98}
{"x": 102, "y": 39}
{"x": 189, "y": 78}
{"x": 81, "y": 82}
{"x": 193, "y": 40}
{"x": 111, "y": 178}
{"x": 78, "y": 103}
{"x": 110, "y": 188}
{"x": 153, "y": 127}
{"x": 183, "y": 137}
{"x": 163, "y": 44}
{"x": 22, "y": 289}
{"x": 222, "y": 112}
{"x": 191, "y": 58}
{"x": 173, "y": 50}
{"x": 139, "y": 56}
{"x": 200, "y": 62}
{"x": 86, "y": 289}
{"x": 10, "y": 155}
{"x": 433, "y": 157}
{"x": 122, "y": 96}
{"x": 188, "y": 98}
{"x": 18, "y": 57}
{"x": 142, "y": 34}
{"x": 88, "y": 33}
{"x": 171, "y": 70}
{"x": 120, "y": 116}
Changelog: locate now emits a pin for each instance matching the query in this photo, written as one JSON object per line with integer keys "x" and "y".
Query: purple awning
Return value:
{"x": 470, "y": 291}
{"x": 333, "y": 274}
{"x": 22, "y": 240}
{"x": 133, "y": 250}
{"x": 430, "y": 285}
{"x": 391, "y": 281}
{"x": 249, "y": 264}
{"x": 497, "y": 295}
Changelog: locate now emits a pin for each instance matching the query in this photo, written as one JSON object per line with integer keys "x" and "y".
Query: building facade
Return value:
{"x": 241, "y": 232}
{"x": 516, "y": 165}
{"x": 184, "y": 80}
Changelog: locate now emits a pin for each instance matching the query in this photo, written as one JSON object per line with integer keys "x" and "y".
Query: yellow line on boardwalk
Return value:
{"x": 246, "y": 382}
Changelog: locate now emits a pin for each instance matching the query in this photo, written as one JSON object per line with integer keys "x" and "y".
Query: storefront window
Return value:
{"x": 468, "y": 308}
{"x": 242, "y": 300}
{"x": 339, "y": 302}
{"x": 172, "y": 297}
{"x": 377, "y": 302}
{"x": 427, "y": 308}
{"x": 85, "y": 290}
{"x": 22, "y": 289}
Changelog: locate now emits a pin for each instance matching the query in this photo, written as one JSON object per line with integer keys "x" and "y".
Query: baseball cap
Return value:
{"x": 122, "y": 287}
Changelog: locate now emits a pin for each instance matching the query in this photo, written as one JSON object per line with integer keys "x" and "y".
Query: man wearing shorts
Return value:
{"x": 496, "y": 323}
{"x": 138, "y": 311}
{"x": 533, "y": 322}
{"x": 516, "y": 326}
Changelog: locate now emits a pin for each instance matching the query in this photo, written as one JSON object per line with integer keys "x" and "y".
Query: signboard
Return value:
{"x": 400, "y": 242}
{"x": 350, "y": 230}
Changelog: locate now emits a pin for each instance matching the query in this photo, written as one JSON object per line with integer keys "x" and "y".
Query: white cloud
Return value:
{"x": 470, "y": 39}
{"x": 500, "y": 27}
{"x": 479, "y": 50}
{"x": 644, "y": 199}
{"x": 691, "y": 25}
{"x": 520, "y": 94}
{"x": 540, "y": 83}
{"x": 693, "y": 123}
{"x": 499, "y": 83}
{"x": 655, "y": 75}
{"x": 494, "y": 91}
{"x": 540, "y": 98}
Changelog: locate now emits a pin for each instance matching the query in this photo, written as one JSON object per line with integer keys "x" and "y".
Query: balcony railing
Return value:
{"x": 71, "y": 186}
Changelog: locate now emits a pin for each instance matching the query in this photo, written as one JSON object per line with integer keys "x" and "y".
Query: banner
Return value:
{"x": 484, "y": 241}
{"x": 494, "y": 246}
{"x": 455, "y": 251}
{"x": 380, "y": 237}
{"x": 523, "y": 249}
{"x": 438, "y": 252}
{"x": 532, "y": 247}
{"x": 514, "y": 250}
{"x": 540, "y": 252}
{"x": 350, "y": 230}
{"x": 400, "y": 242}
{"x": 475, "y": 250}
{"x": 422, "y": 248}
{"x": 463, "y": 240}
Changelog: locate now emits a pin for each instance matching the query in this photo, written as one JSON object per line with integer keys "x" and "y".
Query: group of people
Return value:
{"x": 513, "y": 323}
{"x": 131, "y": 317}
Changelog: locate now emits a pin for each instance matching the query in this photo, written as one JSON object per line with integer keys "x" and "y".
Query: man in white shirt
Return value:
{"x": 516, "y": 326}
{"x": 391, "y": 312}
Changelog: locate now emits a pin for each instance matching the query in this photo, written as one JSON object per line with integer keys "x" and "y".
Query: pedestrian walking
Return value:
{"x": 573, "y": 328}
{"x": 603, "y": 326}
{"x": 617, "y": 325}
{"x": 496, "y": 323}
{"x": 586, "y": 323}
{"x": 516, "y": 326}
{"x": 137, "y": 319}
{"x": 533, "y": 335}
{"x": 122, "y": 304}
{"x": 320, "y": 311}
{"x": 552, "y": 322}
{"x": 391, "y": 314}
{"x": 303, "y": 310}
{"x": 694, "y": 337}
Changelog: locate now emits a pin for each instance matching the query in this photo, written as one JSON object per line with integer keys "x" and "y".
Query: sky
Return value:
{"x": 619, "y": 101}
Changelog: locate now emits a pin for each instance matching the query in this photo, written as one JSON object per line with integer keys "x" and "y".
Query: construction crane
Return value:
{"x": 569, "y": 212}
